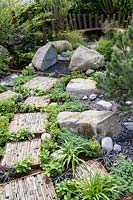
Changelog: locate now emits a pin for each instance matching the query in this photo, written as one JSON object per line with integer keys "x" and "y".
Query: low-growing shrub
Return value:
{"x": 23, "y": 166}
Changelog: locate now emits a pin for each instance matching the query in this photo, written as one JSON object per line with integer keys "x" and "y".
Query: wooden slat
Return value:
{"x": 102, "y": 20}
{"x": 41, "y": 83}
{"x": 90, "y": 21}
{"x": 123, "y": 21}
{"x": 108, "y": 18}
{"x": 53, "y": 26}
{"x": 18, "y": 151}
{"x": 75, "y": 22}
{"x": 114, "y": 17}
{"x": 96, "y": 21}
{"x": 85, "y": 23}
{"x": 7, "y": 94}
{"x": 35, "y": 122}
{"x": 79, "y": 21}
{"x": 71, "y": 22}
{"x": 33, "y": 187}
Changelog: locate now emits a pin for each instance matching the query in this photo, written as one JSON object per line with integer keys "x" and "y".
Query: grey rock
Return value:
{"x": 117, "y": 148}
{"x": 129, "y": 125}
{"x": 78, "y": 88}
{"x": 45, "y": 136}
{"x": 104, "y": 105}
{"x": 89, "y": 72}
{"x": 57, "y": 154}
{"x": 85, "y": 98}
{"x": 8, "y": 80}
{"x": 84, "y": 58}
{"x": 4, "y": 51}
{"x": 62, "y": 45}
{"x": 128, "y": 103}
{"x": 91, "y": 123}
{"x": 92, "y": 97}
{"x": 45, "y": 57}
{"x": 107, "y": 144}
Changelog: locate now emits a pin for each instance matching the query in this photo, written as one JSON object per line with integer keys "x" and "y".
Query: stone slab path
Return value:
{"x": 18, "y": 151}
{"x": 38, "y": 102}
{"x": 34, "y": 187}
{"x": 41, "y": 83}
{"x": 35, "y": 122}
{"x": 7, "y": 94}
{"x": 89, "y": 168}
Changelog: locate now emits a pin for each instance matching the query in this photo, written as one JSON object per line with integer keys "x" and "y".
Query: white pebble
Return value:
{"x": 45, "y": 136}
{"x": 117, "y": 148}
{"x": 107, "y": 144}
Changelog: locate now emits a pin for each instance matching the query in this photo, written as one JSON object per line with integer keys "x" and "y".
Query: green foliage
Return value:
{"x": 73, "y": 146}
{"x": 106, "y": 6}
{"x": 23, "y": 92}
{"x": 116, "y": 81}
{"x": 123, "y": 6}
{"x": 21, "y": 80}
{"x": 3, "y": 88}
{"x": 4, "y": 62}
{"x": 75, "y": 38}
{"x": 22, "y": 135}
{"x": 7, "y": 28}
{"x": 97, "y": 188}
{"x": 23, "y": 166}
{"x": 123, "y": 174}
{"x": 7, "y": 106}
{"x": 51, "y": 167}
{"x": 2, "y": 151}
{"x": 74, "y": 106}
{"x": 4, "y": 123}
{"x": 58, "y": 92}
{"x": 26, "y": 108}
{"x": 28, "y": 71}
{"x": 105, "y": 48}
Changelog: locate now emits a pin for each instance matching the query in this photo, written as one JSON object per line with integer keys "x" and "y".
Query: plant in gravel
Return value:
{"x": 22, "y": 135}
{"x": 123, "y": 174}
{"x": 50, "y": 166}
{"x": 74, "y": 106}
{"x": 23, "y": 166}
{"x": 4, "y": 123}
{"x": 23, "y": 92}
{"x": 98, "y": 187}
{"x": 3, "y": 88}
{"x": 21, "y": 80}
{"x": 67, "y": 190}
{"x": 2, "y": 151}
{"x": 7, "y": 173}
{"x": 49, "y": 145}
{"x": 7, "y": 106}
{"x": 25, "y": 108}
{"x": 29, "y": 71}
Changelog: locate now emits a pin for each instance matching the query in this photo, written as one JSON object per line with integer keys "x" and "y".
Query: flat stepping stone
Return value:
{"x": 41, "y": 83}
{"x": 35, "y": 122}
{"x": 33, "y": 187}
{"x": 89, "y": 168}
{"x": 38, "y": 102}
{"x": 78, "y": 88}
{"x": 17, "y": 151}
{"x": 91, "y": 123}
{"x": 7, "y": 94}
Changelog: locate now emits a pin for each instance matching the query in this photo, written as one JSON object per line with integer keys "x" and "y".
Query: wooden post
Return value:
{"x": 75, "y": 22}
{"x": 71, "y": 21}
{"x": 85, "y": 24}
{"x": 114, "y": 16}
{"x": 30, "y": 16}
{"x": 79, "y": 21}
{"x": 90, "y": 21}
{"x": 102, "y": 20}
{"x": 96, "y": 21}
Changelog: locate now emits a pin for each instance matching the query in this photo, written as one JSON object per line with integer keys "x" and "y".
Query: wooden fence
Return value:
{"x": 90, "y": 22}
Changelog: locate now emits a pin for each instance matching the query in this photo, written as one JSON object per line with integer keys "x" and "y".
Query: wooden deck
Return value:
{"x": 38, "y": 102}
{"x": 18, "y": 151}
{"x": 33, "y": 187}
{"x": 91, "y": 167}
{"x": 7, "y": 94}
{"x": 35, "y": 122}
{"x": 41, "y": 83}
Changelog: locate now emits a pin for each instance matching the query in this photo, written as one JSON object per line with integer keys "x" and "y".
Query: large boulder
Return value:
{"x": 78, "y": 88}
{"x": 91, "y": 123}
{"x": 45, "y": 57}
{"x": 62, "y": 45}
{"x": 84, "y": 58}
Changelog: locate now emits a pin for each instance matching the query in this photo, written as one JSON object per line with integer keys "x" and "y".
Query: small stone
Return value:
{"x": 57, "y": 154}
{"x": 104, "y": 105}
{"x": 30, "y": 65}
{"x": 129, "y": 125}
{"x": 53, "y": 104}
{"x": 117, "y": 148}
{"x": 92, "y": 97}
{"x": 128, "y": 103}
{"x": 85, "y": 98}
{"x": 32, "y": 93}
{"x": 45, "y": 136}
{"x": 89, "y": 72}
{"x": 107, "y": 144}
